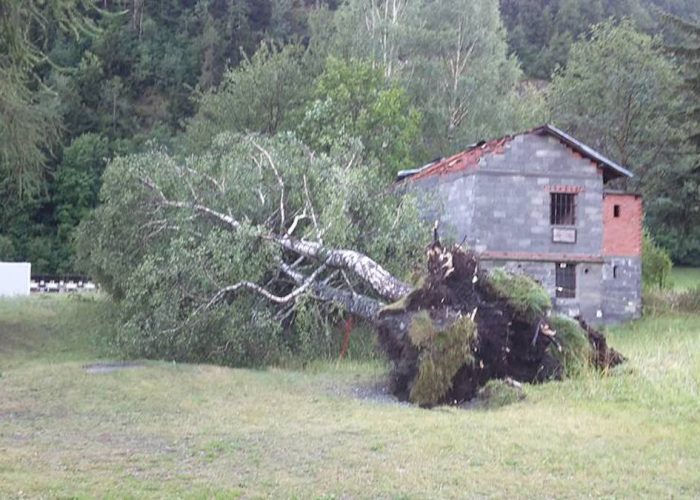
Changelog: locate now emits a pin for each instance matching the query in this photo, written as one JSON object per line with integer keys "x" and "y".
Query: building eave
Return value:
{"x": 616, "y": 169}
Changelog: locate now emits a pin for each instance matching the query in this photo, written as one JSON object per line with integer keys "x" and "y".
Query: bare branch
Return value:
{"x": 367, "y": 269}
{"x": 279, "y": 181}
{"x": 218, "y": 296}
{"x": 310, "y": 206}
{"x": 202, "y": 209}
{"x": 265, "y": 293}
{"x": 353, "y": 303}
{"x": 296, "y": 220}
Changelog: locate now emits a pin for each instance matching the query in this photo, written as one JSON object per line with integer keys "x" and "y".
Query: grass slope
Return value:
{"x": 683, "y": 278}
{"x": 198, "y": 431}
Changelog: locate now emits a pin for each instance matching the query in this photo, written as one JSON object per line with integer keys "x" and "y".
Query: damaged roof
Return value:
{"x": 469, "y": 158}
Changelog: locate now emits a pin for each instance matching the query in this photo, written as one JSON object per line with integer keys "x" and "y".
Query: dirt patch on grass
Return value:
{"x": 111, "y": 366}
{"x": 377, "y": 390}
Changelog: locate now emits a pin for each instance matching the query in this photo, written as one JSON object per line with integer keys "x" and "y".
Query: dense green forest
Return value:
{"x": 541, "y": 32}
{"x": 399, "y": 82}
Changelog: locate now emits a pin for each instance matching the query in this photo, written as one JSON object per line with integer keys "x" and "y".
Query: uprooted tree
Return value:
{"x": 225, "y": 257}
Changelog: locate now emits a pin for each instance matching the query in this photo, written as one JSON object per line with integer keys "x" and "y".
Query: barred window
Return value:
{"x": 562, "y": 210}
{"x": 565, "y": 280}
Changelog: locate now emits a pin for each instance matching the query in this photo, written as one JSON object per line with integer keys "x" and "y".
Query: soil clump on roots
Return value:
{"x": 465, "y": 326}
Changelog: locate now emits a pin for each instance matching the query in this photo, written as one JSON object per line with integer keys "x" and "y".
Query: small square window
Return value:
{"x": 616, "y": 210}
{"x": 562, "y": 209}
{"x": 565, "y": 280}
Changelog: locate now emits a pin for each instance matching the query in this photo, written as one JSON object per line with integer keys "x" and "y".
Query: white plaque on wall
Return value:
{"x": 563, "y": 235}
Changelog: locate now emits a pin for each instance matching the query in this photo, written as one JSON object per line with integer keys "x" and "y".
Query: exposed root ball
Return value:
{"x": 442, "y": 354}
{"x": 464, "y": 327}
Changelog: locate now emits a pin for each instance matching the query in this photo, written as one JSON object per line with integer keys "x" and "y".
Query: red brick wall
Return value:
{"x": 622, "y": 235}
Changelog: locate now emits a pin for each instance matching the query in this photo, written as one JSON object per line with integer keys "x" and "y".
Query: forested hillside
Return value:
{"x": 396, "y": 82}
{"x": 541, "y": 32}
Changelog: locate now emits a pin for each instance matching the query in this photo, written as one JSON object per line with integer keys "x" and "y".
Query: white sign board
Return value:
{"x": 14, "y": 278}
{"x": 563, "y": 235}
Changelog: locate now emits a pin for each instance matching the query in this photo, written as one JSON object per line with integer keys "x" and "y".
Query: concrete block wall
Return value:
{"x": 589, "y": 289}
{"x": 512, "y": 202}
{"x": 543, "y": 272}
{"x": 450, "y": 200}
{"x": 622, "y": 288}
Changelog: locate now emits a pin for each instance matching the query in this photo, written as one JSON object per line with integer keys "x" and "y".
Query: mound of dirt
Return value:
{"x": 511, "y": 335}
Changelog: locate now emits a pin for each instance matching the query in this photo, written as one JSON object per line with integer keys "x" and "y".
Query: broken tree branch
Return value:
{"x": 354, "y": 303}
{"x": 378, "y": 278}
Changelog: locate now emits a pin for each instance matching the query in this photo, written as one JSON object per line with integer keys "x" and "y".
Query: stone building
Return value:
{"x": 538, "y": 203}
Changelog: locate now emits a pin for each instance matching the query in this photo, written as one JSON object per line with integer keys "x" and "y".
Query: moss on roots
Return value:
{"x": 421, "y": 331}
{"x": 572, "y": 347}
{"x": 442, "y": 354}
{"x": 528, "y": 297}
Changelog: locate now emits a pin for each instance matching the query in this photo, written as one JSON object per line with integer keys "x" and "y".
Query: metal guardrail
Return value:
{"x": 61, "y": 285}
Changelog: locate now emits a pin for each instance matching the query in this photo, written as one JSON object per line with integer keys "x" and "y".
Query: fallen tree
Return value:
{"x": 212, "y": 257}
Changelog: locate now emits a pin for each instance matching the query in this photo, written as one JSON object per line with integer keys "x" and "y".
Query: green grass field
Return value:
{"x": 685, "y": 277}
{"x": 198, "y": 431}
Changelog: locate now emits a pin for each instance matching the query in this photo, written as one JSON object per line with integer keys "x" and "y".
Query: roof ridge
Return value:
{"x": 468, "y": 159}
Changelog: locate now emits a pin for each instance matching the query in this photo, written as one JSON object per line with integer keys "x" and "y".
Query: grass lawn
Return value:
{"x": 685, "y": 277}
{"x": 200, "y": 431}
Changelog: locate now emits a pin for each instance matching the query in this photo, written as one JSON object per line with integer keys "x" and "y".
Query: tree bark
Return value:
{"x": 379, "y": 279}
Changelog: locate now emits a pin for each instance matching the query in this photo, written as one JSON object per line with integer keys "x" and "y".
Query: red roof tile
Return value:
{"x": 467, "y": 160}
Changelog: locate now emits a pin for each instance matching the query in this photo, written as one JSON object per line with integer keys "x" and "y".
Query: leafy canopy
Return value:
{"x": 162, "y": 264}
{"x": 353, "y": 100}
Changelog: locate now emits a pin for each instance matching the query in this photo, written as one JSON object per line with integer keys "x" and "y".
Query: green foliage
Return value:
{"x": 29, "y": 128}
{"x": 353, "y": 100}
{"x": 163, "y": 266}
{"x": 313, "y": 335}
{"x": 408, "y": 81}
{"x": 618, "y": 92}
{"x": 450, "y": 56}
{"x": 29, "y": 119}
{"x": 541, "y": 32}
{"x": 656, "y": 263}
{"x": 675, "y": 213}
{"x": 265, "y": 93}
{"x": 688, "y": 52}
{"x": 574, "y": 351}
{"x": 77, "y": 185}
{"x": 442, "y": 354}
{"x": 524, "y": 294}
{"x": 7, "y": 249}
{"x": 459, "y": 71}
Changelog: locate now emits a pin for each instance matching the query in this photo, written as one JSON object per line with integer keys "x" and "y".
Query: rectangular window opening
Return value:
{"x": 565, "y": 280}
{"x": 616, "y": 210}
{"x": 562, "y": 211}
